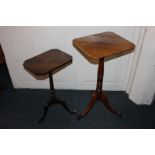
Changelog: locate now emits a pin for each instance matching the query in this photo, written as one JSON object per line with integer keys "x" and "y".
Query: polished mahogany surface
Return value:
{"x": 48, "y": 61}
{"x": 102, "y": 45}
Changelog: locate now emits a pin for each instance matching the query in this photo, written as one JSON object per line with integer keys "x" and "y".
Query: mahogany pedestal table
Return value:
{"x": 99, "y": 46}
{"x": 47, "y": 63}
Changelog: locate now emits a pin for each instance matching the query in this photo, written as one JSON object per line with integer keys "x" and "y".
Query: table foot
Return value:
{"x": 67, "y": 108}
{"x": 98, "y": 96}
{"x": 104, "y": 100}
{"x": 46, "y": 106}
{"x": 89, "y": 107}
{"x": 53, "y": 102}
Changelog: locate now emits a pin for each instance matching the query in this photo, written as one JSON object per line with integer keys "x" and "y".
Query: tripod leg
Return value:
{"x": 89, "y": 107}
{"x": 66, "y": 107}
{"x": 105, "y": 101}
{"x": 46, "y": 106}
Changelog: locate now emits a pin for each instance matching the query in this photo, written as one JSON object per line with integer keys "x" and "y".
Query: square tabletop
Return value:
{"x": 102, "y": 44}
{"x": 48, "y": 61}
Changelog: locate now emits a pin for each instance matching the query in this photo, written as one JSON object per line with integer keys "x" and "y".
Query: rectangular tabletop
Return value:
{"x": 102, "y": 44}
{"x": 47, "y": 61}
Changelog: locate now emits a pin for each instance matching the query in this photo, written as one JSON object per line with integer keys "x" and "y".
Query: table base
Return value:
{"x": 99, "y": 94}
{"x": 54, "y": 100}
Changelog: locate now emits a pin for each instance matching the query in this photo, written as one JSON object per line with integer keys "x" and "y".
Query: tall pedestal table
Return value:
{"x": 99, "y": 46}
{"x": 47, "y": 63}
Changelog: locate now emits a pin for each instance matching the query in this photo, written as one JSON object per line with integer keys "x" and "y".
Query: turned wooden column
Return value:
{"x": 100, "y": 76}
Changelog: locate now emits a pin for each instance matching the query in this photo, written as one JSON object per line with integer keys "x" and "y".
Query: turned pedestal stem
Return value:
{"x": 100, "y": 76}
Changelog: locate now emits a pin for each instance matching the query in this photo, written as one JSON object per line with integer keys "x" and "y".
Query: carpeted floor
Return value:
{"x": 22, "y": 108}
